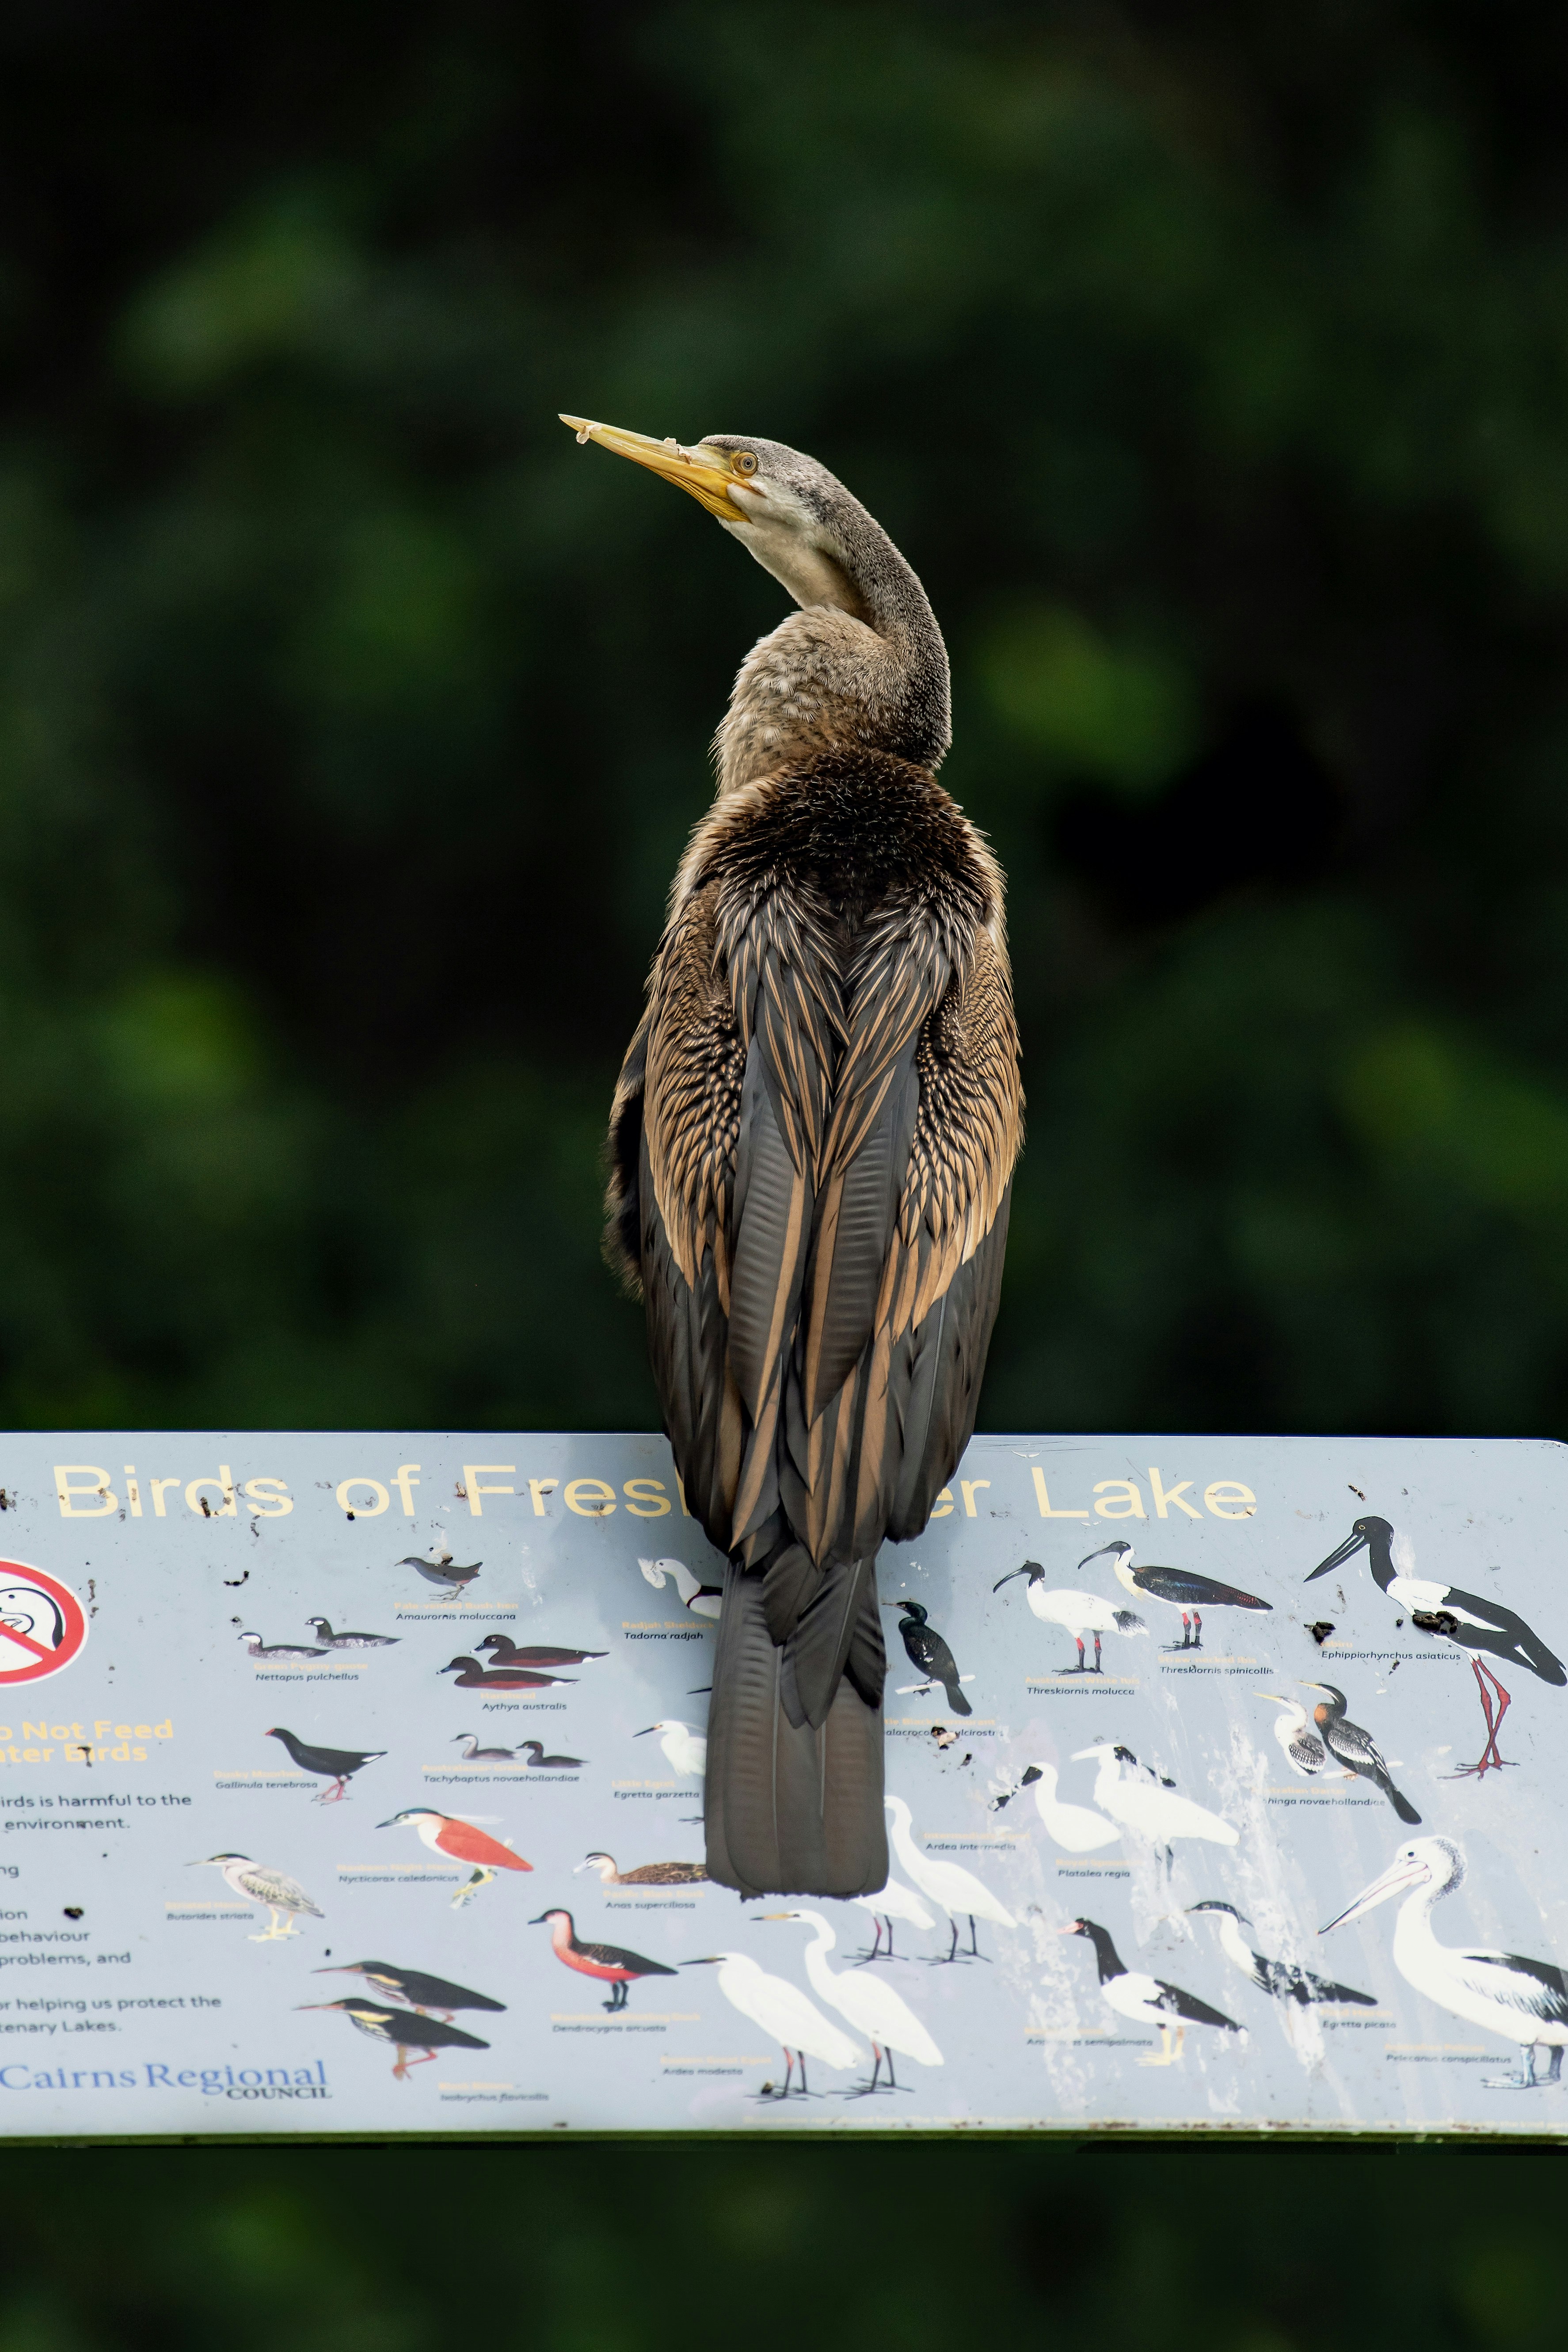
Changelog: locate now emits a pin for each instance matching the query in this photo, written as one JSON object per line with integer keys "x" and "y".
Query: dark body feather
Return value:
{"x": 812, "y": 1146}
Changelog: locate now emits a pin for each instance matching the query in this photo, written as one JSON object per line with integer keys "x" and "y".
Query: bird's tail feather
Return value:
{"x": 792, "y": 1806}
{"x": 956, "y": 1699}
{"x": 1402, "y": 1805}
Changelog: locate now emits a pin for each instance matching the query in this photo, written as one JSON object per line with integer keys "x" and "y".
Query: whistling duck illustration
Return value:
{"x": 1076, "y": 1829}
{"x": 1521, "y": 2000}
{"x": 461, "y": 1841}
{"x": 1076, "y": 1611}
{"x": 929, "y": 1654}
{"x": 1282, "y": 1979}
{"x": 471, "y": 1675}
{"x": 331, "y": 1641}
{"x": 505, "y": 1653}
{"x": 257, "y": 1881}
{"x": 609, "y": 1963}
{"x": 1354, "y": 1748}
{"x": 337, "y": 1765}
{"x": 1483, "y": 1628}
{"x": 1178, "y": 1587}
{"x": 952, "y": 1888}
{"x": 281, "y": 1654}
{"x": 415, "y": 1986}
{"x": 782, "y": 2011}
{"x": 1147, "y": 1999}
{"x": 652, "y": 1873}
{"x": 401, "y": 2030}
{"x": 1149, "y": 1810}
{"x": 439, "y": 1568}
{"x": 1304, "y": 1751}
{"x": 701, "y": 1599}
{"x": 870, "y": 2005}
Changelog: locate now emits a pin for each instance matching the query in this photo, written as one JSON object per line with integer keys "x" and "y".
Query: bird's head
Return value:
{"x": 461, "y": 1665}
{"x": 275, "y": 1734}
{"x": 1031, "y": 1568}
{"x": 1329, "y": 1692}
{"x": 912, "y": 1607}
{"x": 219, "y": 1858}
{"x": 791, "y": 514}
{"x": 1076, "y": 1927}
{"x": 546, "y": 1916}
{"x": 1365, "y": 1532}
{"x": 411, "y": 1813}
{"x": 594, "y": 1861}
{"x": 1032, "y": 1772}
{"x": 1425, "y": 1861}
{"x": 1212, "y": 1903}
{"x": 1117, "y": 1550}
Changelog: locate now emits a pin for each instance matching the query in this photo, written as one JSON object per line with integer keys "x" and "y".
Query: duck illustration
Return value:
{"x": 281, "y": 1654}
{"x": 505, "y": 1653}
{"x": 651, "y": 1873}
{"x": 471, "y": 1675}
{"x": 331, "y": 1641}
{"x": 608, "y": 1963}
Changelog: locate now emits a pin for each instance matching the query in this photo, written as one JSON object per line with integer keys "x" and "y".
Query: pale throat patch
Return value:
{"x": 809, "y": 574}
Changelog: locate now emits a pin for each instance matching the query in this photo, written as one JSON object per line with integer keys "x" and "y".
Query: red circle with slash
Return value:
{"x": 42, "y": 1623}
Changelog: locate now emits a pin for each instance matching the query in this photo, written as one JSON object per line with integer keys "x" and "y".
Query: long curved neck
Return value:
{"x": 816, "y": 1952}
{"x": 861, "y": 666}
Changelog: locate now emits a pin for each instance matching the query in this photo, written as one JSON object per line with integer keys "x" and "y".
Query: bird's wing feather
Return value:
{"x": 1178, "y": 1584}
{"x": 1540, "y": 1987}
{"x": 1473, "y": 1609}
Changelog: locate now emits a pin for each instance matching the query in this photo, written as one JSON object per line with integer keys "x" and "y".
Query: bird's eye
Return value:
{"x": 744, "y": 462}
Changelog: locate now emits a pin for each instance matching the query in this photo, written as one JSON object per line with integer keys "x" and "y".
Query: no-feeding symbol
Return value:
{"x": 42, "y": 1624}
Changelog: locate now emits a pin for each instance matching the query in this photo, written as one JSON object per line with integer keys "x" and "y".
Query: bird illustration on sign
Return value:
{"x": 284, "y": 1897}
{"x": 870, "y": 2006}
{"x": 948, "y": 1884}
{"x": 472, "y": 1676}
{"x": 331, "y": 1641}
{"x": 438, "y": 1567}
{"x": 1178, "y": 1587}
{"x": 416, "y": 1987}
{"x": 1481, "y": 1627}
{"x": 929, "y": 1655}
{"x": 1147, "y": 1999}
{"x": 701, "y": 1599}
{"x": 459, "y": 1840}
{"x": 1149, "y": 1810}
{"x": 1521, "y": 2000}
{"x": 608, "y": 1964}
{"x": 1354, "y": 1748}
{"x": 506, "y": 1654}
{"x": 400, "y": 2030}
{"x": 782, "y": 2009}
{"x": 1281, "y": 1979}
{"x": 335, "y": 1765}
{"x": 1076, "y": 1611}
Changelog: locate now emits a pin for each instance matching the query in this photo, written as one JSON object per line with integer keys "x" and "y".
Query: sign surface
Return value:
{"x": 294, "y": 1720}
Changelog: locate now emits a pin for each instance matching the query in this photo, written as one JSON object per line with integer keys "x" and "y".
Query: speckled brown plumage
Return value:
{"x": 812, "y": 1144}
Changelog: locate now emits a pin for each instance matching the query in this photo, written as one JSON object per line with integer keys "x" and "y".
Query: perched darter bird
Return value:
{"x": 812, "y": 1148}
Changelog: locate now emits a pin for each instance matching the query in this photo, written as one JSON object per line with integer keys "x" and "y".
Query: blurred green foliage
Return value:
{"x": 1209, "y": 362}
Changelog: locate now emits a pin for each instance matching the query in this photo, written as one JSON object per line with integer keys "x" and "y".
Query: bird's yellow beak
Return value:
{"x": 706, "y": 473}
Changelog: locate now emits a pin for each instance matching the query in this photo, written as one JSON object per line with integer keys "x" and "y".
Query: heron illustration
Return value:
{"x": 812, "y": 1148}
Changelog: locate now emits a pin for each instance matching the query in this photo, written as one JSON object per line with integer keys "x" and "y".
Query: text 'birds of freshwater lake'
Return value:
{"x": 354, "y": 1784}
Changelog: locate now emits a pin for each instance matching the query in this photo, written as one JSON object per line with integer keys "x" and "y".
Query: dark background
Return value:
{"x": 1210, "y": 362}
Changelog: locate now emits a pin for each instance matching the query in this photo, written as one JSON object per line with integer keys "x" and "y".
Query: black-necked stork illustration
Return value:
{"x": 1281, "y": 1979}
{"x": 1481, "y": 1627}
{"x": 1356, "y": 1749}
{"x": 401, "y": 2030}
{"x": 1075, "y": 1612}
{"x": 1179, "y": 1588}
{"x": 929, "y": 1654}
{"x": 1522, "y": 2001}
{"x": 1146, "y": 2000}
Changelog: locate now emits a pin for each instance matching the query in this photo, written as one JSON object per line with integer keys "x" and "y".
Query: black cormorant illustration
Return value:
{"x": 812, "y": 1147}
{"x": 401, "y": 2030}
{"x": 1282, "y": 1979}
{"x": 1349, "y": 1745}
{"x": 337, "y": 1765}
{"x": 1479, "y": 1626}
{"x": 929, "y": 1654}
{"x": 420, "y": 1991}
{"x": 1179, "y": 1588}
{"x": 1146, "y": 2000}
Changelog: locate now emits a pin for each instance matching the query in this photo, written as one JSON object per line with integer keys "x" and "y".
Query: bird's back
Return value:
{"x": 814, "y": 1142}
